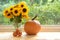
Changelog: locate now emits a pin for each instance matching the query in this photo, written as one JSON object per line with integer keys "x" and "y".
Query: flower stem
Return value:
{"x": 34, "y": 17}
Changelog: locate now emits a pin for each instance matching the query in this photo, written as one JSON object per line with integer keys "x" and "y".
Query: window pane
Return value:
{"x": 48, "y": 10}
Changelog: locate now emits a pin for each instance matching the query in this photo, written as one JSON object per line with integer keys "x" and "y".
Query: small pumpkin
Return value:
{"x": 32, "y": 27}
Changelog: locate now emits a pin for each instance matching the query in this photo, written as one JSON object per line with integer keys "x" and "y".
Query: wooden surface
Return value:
{"x": 44, "y": 28}
{"x": 39, "y": 36}
{"x": 47, "y": 32}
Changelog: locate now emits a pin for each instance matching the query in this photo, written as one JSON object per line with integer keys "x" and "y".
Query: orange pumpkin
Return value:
{"x": 32, "y": 27}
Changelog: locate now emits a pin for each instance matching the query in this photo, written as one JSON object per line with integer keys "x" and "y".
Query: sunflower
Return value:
{"x": 7, "y": 14}
{"x": 22, "y": 4}
{"x": 25, "y": 11}
{"x": 11, "y": 8}
{"x": 25, "y": 16}
{"x": 5, "y": 11}
{"x": 16, "y": 12}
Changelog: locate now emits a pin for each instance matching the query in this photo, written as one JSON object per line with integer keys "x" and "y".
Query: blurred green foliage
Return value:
{"x": 48, "y": 10}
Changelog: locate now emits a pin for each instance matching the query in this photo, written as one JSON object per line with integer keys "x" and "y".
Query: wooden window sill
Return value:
{"x": 44, "y": 28}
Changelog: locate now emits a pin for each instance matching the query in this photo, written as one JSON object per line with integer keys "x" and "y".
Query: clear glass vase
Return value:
{"x": 17, "y": 32}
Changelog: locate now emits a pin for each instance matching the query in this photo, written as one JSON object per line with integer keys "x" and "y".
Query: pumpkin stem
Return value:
{"x": 34, "y": 17}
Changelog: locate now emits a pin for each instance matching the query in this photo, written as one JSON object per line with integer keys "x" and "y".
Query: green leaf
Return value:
{"x": 11, "y": 19}
{"x": 18, "y": 19}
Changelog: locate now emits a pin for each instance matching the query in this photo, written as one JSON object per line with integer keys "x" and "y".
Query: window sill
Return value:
{"x": 44, "y": 28}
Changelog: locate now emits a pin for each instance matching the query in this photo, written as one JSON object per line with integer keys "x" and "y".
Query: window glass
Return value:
{"x": 48, "y": 10}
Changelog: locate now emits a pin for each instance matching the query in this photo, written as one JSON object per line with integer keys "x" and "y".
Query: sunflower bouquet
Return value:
{"x": 16, "y": 13}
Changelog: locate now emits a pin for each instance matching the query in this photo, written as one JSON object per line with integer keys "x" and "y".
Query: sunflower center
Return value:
{"x": 22, "y": 5}
{"x": 11, "y": 9}
{"x": 16, "y": 11}
{"x": 6, "y": 12}
{"x": 8, "y": 15}
{"x": 11, "y": 12}
{"x": 24, "y": 10}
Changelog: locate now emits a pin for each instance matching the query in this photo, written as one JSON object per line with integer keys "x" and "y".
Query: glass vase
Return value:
{"x": 17, "y": 32}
